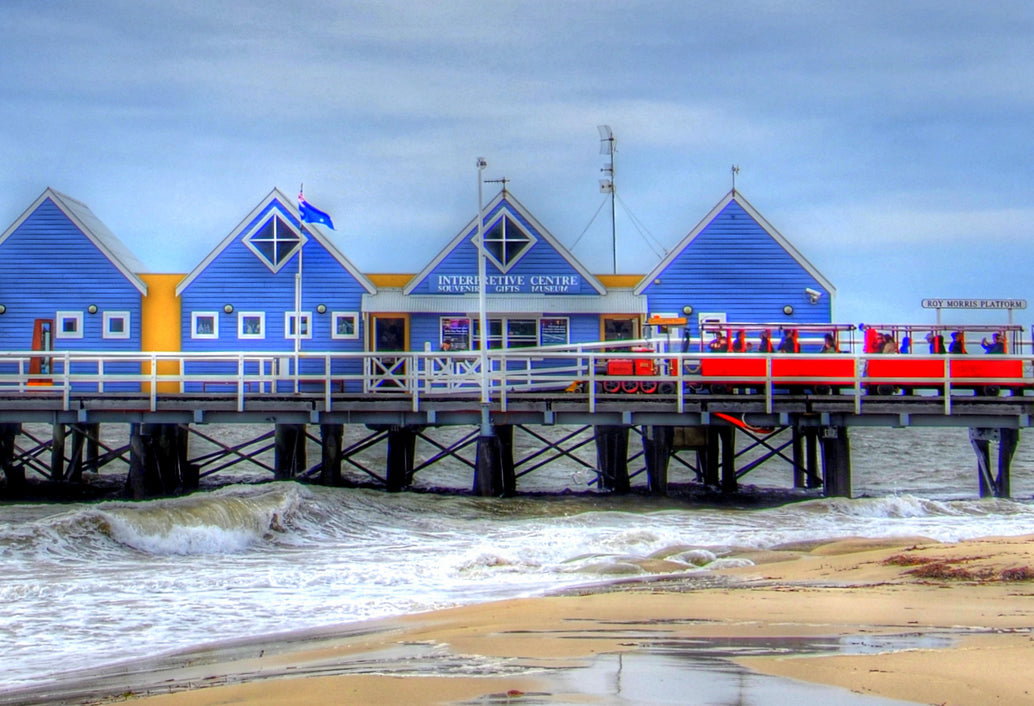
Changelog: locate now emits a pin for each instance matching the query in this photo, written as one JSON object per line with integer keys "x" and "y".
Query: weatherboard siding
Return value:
{"x": 239, "y": 278}
{"x": 48, "y": 265}
{"x": 734, "y": 266}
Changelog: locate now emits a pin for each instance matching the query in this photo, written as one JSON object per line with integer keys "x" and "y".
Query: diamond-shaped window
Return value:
{"x": 506, "y": 242}
{"x": 274, "y": 242}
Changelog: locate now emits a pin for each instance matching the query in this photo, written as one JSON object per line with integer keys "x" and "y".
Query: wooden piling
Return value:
{"x": 13, "y": 474}
{"x": 488, "y": 475}
{"x": 612, "y": 457}
{"x": 730, "y": 483}
{"x": 57, "y": 452}
{"x": 998, "y": 483}
{"x": 657, "y": 446}
{"x": 401, "y": 452}
{"x": 289, "y": 451}
{"x": 508, "y": 476}
{"x": 836, "y": 462}
{"x": 330, "y": 462}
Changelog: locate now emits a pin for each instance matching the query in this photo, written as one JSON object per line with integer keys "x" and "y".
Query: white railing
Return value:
{"x": 586, "y": 373}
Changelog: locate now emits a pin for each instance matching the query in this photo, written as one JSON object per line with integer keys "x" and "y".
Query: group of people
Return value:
{"x": 876, "y": 342}
{"x": 720, "y": 343}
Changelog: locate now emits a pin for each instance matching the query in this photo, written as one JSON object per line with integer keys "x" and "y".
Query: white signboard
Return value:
{"x": 975, "y": 304}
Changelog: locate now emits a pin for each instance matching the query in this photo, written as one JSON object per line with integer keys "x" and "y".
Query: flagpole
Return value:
{"x": 298, "y": 297}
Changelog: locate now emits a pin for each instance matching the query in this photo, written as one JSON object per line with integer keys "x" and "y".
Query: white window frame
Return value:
{"x": 195, "y": 315}
{"x": 109, "y": 317}
{"x": 278, "y": 218}
{"x": 59, "y": 328}
{"x": 334, "y": 316}
{"x": 260, "y": 315}
{"x": 289, "y": 317}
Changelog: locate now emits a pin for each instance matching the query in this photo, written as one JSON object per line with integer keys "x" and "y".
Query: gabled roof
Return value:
{"x": 505, "y": 198}
{"x": 310, "y": 229}
{"x": 95, "y": 231}
{"x": 734, "y": 195}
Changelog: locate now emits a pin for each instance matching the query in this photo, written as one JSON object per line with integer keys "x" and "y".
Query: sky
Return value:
{"x": 889, "y": 141}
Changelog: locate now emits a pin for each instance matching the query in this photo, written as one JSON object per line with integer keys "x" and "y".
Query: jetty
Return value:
{"x": 399, "y": 399}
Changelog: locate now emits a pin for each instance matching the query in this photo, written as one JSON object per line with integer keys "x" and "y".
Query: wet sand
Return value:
{"x": 911, "y": 620}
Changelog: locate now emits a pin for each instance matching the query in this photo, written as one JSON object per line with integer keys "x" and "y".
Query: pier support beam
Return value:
{"x": 289, "y": 455}
{"x": 157, "y": 453}
{"x": 401, "y": 452}
{"x": 57, "y": 452}
{"x": 14, "y": 475}
{"x": 718, "y": 459}
{"x": 657, "y": 447}
{"x": 836, "y": 462}
{"x": 994, "y": 484}
{"x": 330, "y": 462}
{"x": 612, "y": 457}
{"x": 806, "y": 458}
{"x": 730, "y": 483}
{"x": 494, "y": 474}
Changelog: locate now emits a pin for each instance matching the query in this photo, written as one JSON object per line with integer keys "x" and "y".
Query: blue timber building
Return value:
{"x": 537, "y": 293}
{"x": 67, "y": 283}
{"x": 274, "y": 284}
{"x": 735, "y": 266}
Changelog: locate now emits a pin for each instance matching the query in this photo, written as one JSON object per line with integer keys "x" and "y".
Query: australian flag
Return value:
{"x": 311, "y": 214}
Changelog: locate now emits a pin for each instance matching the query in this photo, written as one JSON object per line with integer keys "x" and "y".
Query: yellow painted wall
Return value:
{"x": 160, "y": 318}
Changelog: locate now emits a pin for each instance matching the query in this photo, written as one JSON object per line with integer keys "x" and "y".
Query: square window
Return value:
{"x": 345, "y": 324}
{"x": 69, "y": 324}
{"x": 204, "y": 324}
{"x": 289, "y": 325}
{"x": 116, "y": 324}
{"x": 251, "y": 324}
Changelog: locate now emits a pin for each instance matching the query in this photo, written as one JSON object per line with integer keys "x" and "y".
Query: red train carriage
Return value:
{"x": 921, "y": 356}
{"x": 800, "y": 358}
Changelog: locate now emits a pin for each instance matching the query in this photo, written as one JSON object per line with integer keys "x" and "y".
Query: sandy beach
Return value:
{"x": 938, "y": 624}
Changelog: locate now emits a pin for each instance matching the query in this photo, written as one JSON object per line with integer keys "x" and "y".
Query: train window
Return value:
{"x": 69, "y": 324}
{"x": 204, "y": 324}
{"x": 116, "y": 324}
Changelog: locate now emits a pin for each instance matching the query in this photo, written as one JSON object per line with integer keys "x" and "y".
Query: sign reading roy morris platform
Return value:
{"x": 974, "y": 303}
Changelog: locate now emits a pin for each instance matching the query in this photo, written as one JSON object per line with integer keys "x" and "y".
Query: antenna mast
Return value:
{"x": 607, "y": 186}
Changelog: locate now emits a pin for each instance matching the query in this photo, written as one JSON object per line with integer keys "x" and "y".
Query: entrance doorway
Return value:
{"x": 389, "y": 333}
{"x": 42, "y": 340}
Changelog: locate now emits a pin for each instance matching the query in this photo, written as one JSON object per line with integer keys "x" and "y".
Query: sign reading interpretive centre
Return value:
{"x": 509, "y": 284}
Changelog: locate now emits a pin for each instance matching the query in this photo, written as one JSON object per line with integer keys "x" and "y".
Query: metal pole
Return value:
{"x": 482, "y": 306}
{"x": 613, "y": 211}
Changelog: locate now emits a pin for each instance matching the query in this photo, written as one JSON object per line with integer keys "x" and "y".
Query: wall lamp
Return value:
{"x": 92, "y": 308}
{"x": 3, "y": 309}
{"x": 788, "y": 310}
{"x": 687, "y": 310}
{"x": 321, "y": 308}
{"x": 228, "y": 308}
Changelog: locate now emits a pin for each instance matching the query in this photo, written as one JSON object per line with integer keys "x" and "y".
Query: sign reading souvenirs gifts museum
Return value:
{"x": 508, "y": 284}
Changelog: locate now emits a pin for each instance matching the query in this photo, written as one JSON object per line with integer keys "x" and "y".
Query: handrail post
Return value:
{"x": 66, "y": 382}
{"x": 769, "y": 387}
{"x": 154, "y": 382}
{"x": 240, "y": 382}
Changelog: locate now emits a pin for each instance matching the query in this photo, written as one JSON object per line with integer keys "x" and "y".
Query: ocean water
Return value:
{"x": 91, "y": 584}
